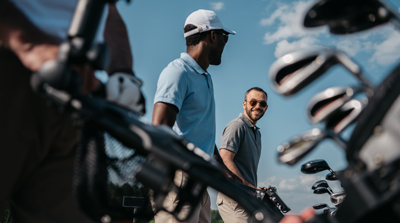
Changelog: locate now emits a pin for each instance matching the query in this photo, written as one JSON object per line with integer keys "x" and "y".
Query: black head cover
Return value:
{"x": 347, "y": 16}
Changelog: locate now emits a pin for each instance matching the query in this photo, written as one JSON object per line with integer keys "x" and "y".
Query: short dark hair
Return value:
{"x": 194, "y": 39}
{"x": 256, "y": 89}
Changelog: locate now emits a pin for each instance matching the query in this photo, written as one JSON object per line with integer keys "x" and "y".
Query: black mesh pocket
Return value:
{"x": 105, "y": 182}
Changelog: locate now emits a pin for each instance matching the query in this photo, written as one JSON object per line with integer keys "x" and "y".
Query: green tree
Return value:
{"x": 215, "y": 217}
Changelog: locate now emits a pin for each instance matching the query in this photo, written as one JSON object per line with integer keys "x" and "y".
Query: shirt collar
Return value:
{"x": 247, "y": 121}
{"x": 192, "y": 63}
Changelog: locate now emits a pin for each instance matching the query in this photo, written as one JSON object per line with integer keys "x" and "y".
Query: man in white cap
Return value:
{"x": 185, "y": 96}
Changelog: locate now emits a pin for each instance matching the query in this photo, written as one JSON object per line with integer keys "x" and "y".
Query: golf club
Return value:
{"x": 292, "y": 151}
{"x": 322, "y": 190}
{"x": 345, "y": 17}
{"x": 333, "y": 175}
{"x": 320, "y": 206}
{"x": 294, "y": 71}
{"x": 315, "y": 166}
{"x": 327, "y": 209}
{"x": 323, "y": 104}
{"x": 337, "y": 198}
{"x": 346, "y": 115}
{"x": 299, "y": 146}
{"x": 321, "y": 183}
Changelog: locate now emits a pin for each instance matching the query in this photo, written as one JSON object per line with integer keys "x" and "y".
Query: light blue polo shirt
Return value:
{"x": 186, "y": 85}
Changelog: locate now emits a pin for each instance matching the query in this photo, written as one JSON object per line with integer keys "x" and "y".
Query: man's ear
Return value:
{"x": 244, "y": 105}
{"x": 213, "y": 36}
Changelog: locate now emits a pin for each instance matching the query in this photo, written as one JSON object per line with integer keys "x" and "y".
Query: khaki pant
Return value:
{"x": 231, "y": 211}
{"x": 202, "y": 213}
{"x": 37, "y": 151}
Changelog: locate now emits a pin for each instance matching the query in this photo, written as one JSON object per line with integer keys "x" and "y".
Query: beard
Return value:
{"x": 216, "y": 54}
{"x": 216, "y": 58}
{"x": 254, "y": 117}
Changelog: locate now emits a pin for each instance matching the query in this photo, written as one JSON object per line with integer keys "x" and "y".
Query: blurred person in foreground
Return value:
{"x": 38, "y": 142}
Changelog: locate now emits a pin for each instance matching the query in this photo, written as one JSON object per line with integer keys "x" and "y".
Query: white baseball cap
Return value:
{"x": 205, "y": 20}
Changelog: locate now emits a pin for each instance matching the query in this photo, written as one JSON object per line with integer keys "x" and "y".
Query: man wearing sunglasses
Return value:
{"x": 185, "y": 97}
{"x": 241, "y": 150}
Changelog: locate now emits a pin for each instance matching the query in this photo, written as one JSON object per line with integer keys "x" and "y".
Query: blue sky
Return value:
{"x": 266, "y": 30}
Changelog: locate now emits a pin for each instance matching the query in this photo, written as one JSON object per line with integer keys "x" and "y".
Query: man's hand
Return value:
{"x": 262, "y": 188}
{"x": 32, "y": 46}
{"x": 33, "y": 56}
{"x": 306, "y": 215}
{"x": 124, "y": 89}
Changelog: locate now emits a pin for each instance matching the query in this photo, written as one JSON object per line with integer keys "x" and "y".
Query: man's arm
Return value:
{"x": 227, "y": 156}
{"x": 116, "y": 38}
{"x": 164, "y": 114}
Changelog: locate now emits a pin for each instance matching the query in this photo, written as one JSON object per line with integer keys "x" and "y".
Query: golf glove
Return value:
{"x": 124, "y": 89}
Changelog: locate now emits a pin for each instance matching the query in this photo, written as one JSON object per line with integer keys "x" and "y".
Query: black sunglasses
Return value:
{"x": 224, "y": 34}
{"x": 254, "y": 102}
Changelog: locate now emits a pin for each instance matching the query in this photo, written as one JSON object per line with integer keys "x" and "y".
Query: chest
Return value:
{"x": 251, "y": 143}
{"x": 199, "y": 94}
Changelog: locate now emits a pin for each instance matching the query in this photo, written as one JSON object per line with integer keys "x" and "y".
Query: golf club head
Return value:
{"x": 322, "y": 190}
{"x": 315, "y": 166}
{"x": 337, "y": 198}
{"x": 345, "y": 115}
{"x": 320, "y": 183}
{"x": 333, "y": 175}
{"x": 343, "y": 16}
{"x": 291, "y": 152}
{"x": 323, "y": 104}
{"x": 320, "y": 206}
{"x": 294, "y": 71}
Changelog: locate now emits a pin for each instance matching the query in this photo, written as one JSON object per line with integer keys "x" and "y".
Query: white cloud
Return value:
{"x": 387, "y": 52}
{"x": 290, "y": 18}
{"x": 283, "y": 46}
{"x": 298, "y": 183}
{"x": 277, "y": 13}
{"x": 350, "y": 47}
{"x": 217, "y": 6}
{"x": 285, "y": 29}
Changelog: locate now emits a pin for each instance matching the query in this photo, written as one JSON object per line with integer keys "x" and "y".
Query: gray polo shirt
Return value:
{"x": 243, "y": 138}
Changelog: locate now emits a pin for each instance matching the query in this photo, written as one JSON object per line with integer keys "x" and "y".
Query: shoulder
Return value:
{"x": 236, "y": 125}
{"x": 176, "y": 67}
{"x": 174, "y": 71}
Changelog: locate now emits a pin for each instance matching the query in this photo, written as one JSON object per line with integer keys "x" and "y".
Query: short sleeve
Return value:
{"x": 231, "y": 136}
{"x": 172, "y": 86}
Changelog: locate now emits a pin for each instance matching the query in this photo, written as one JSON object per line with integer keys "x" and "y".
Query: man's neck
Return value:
{"x": 199, "y": 54}
{"x": 252, "y": 122}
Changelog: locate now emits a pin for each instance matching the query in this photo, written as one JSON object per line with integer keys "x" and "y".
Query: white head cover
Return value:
{"x": 205, "y": 20}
